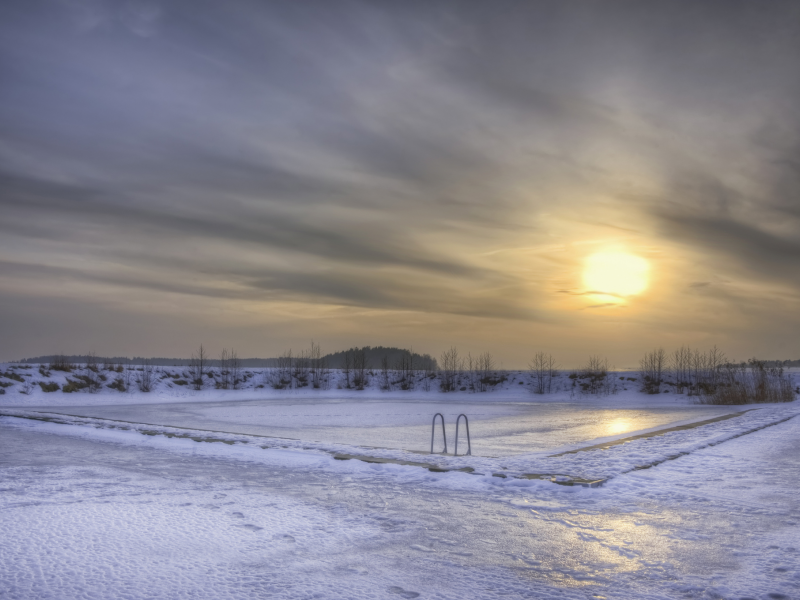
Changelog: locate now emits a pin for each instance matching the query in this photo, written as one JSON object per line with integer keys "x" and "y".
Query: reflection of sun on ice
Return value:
{"x": 615, "y": 274}
{"x": 618, "y": 426}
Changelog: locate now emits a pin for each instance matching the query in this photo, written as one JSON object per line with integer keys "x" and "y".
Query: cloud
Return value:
{"x": 387, "y": 155}
{"x": 142, "y": 18}
{"x": 764, "y": 254}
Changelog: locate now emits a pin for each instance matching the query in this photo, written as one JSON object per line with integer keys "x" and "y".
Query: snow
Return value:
{"x": 96, "y": 508}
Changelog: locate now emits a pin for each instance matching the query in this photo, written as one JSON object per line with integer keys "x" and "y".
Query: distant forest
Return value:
{"x": 376, "y": 355}
{"x": 335, "y": 360}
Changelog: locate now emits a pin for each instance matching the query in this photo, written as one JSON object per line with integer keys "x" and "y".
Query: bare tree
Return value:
{"x": 282, "y": 376}
{"x": 224, "y": 370}
{"x": 471, "y": 372}
{"x": 593, "y": 378}
{"x": 429, "y": 373}
{"x": 301, "y": 368}
{"x": 197, "y": 367}
{"x": 325, "y": 373}
{"x": 315, "y": 364}
{"x": 347, "y": 368}
{"x": 543, "y": 370}
{"x": 144, "y": 378}
{"x": 235, "y": 369}
{"x": 92, "y": 376}
{"x": 451, "y": 367}
{"x": 705, "y": 369}
{"x": 127, "y": 375}
{"x": 405, "y": 370}
{"x": 681, "y": 363}
{"x": 716, "y": 359}
{"x": 486, "y": 371}
{"x": 652, "y": 368}
{"x": 386, "y": 383}
{"x": 410, "y": 373}
{"x": 360, "y": 368}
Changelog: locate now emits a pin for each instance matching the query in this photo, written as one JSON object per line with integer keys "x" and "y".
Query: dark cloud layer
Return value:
{"x": 374, "y": 154}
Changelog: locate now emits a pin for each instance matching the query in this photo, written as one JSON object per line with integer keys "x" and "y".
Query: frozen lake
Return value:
{"x": 498, "y": 427}
{"x": 91, "y": 512}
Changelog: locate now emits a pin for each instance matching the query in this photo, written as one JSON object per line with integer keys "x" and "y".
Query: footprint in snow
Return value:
{"x": 358, "y": 570}
{"x": 404, "y": 593}
{"x": 238, "y": 515}
{"x": 251, "y": 527}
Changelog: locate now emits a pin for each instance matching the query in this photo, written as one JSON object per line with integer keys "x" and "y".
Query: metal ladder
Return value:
{"x": 444, "y": 435}
{"x": 469, "y": 444}
{"x": 433, "y": 430}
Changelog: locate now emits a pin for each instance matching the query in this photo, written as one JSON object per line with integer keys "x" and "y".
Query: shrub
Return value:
{"x": 79, "y": 383}
{"x": 594, "y": 378}
{"x": 60, "y": 363}
{"x": 13, "y": 376}
{"x": 49, "y": 387}
{"x": 118, "y": 385}
{"x": 653, "y": 368}
{"x": 750, "y": 383}
{"x": 180, "y": 382}
{"x": 144, "y": 380}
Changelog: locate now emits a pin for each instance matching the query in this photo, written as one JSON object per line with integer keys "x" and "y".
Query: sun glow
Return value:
{"x": 618, "y": 426}
{"x": 615, "y": 274}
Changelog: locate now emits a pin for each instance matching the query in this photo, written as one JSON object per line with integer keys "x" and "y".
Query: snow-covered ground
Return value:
{"x": 94, "y": 507}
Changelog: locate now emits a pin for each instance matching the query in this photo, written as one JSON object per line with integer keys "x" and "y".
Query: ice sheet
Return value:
{"x": 496, "y": 428}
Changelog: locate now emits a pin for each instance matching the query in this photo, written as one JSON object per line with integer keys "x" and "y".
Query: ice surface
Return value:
{"x": 97, "y": 513}
{"x": 92, "y": 507}
{"x": 496, "y": 428}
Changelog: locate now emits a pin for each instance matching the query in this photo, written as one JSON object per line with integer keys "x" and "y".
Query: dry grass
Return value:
{"x": 749, "y": 384}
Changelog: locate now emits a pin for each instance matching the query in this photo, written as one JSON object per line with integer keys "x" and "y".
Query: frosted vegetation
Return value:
{"x": 707, "y": 376}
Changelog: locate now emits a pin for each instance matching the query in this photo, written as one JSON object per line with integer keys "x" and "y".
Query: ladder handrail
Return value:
{"x": 469, "y": 443}
{"x": 433, "y": 431}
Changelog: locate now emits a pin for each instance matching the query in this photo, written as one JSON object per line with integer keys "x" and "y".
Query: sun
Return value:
{"x": 616, "y": 274}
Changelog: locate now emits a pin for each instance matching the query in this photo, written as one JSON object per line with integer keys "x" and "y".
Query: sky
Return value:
{"x": 256, "y": 175}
